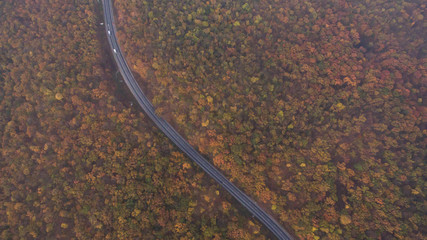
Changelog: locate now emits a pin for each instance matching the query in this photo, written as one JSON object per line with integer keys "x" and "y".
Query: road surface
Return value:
{"x": 175, "y": 137}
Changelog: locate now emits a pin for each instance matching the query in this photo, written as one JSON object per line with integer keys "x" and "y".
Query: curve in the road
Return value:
{"x": 176, "y": 138}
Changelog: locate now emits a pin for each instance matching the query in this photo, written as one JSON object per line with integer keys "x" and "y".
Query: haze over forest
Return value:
{"x": 315, "y": 109}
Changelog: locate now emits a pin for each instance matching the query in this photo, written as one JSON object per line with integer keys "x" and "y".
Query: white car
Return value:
{"x": 109, "y": 33}
{"x": 114, "y": 50}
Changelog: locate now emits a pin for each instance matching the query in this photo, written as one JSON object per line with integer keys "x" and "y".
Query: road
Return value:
{"x": 176, "y": 138}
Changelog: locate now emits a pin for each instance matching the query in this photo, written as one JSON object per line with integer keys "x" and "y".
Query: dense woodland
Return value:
{"x": 76, "y": 161}
{"x": 316, "y": 109}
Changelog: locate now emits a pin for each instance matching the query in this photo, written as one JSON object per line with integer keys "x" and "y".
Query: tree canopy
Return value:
{"x": 315, "y": 108}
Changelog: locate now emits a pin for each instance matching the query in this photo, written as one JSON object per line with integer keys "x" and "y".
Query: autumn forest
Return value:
{"x": 315, "y": 109}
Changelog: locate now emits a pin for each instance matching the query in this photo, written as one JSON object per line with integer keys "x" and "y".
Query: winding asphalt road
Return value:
{"x": 175, "y": 137}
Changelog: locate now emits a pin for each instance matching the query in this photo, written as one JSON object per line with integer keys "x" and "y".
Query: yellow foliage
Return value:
{"x": 179, "y": 227}
{"x": 136, "y": 212}
{"x": 155, "y": 65}
{"x": 345, "y": 219}
{"x": 34, "y": 148}
{"x": 326, "y": 230}
{"x": 186, "y": 166}
{"x": 33, "y": 234}
{"x": 206, "y": 123}
{"x": 122, "y": 220}
{"x": 210, "y": 99}
{"x": 59, "y": 96}
{"x": 339, "y": 106}
{"x": 254, "y": 79}
{"x": 415, "y": 192}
